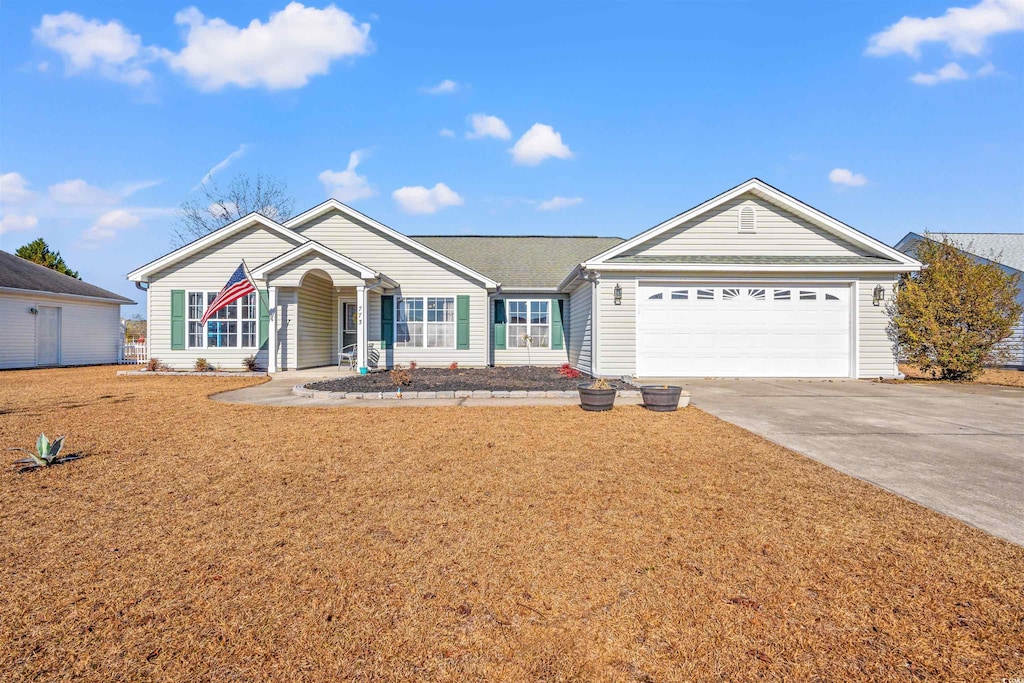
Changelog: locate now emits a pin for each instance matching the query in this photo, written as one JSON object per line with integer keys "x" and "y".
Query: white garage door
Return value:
{"x": 737, "y": 330}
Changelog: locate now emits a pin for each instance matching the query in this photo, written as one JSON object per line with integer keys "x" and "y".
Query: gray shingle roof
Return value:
{"x": 519, "y": 262}
{"x": 1006, "y": 248}
{"x": 17, "y": 273}
{"x": 758, "y": 259}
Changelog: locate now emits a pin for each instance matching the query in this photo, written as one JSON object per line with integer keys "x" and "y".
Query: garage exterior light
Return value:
{"x": 878, "y": 295}
{"x": 617, "y": 295}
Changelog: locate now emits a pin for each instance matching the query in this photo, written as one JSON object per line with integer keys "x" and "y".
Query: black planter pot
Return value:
{"x": 596, "y": 399}
{"x": 661, "y": 399}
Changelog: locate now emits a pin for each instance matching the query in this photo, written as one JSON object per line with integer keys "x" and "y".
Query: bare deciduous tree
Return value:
{"x": 217, "y": 206}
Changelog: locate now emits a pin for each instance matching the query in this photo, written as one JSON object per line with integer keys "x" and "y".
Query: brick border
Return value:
{"x": 305, "y": 392}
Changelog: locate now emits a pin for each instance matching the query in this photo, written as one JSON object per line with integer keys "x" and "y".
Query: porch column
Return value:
{"x": 272, "y": 337}
{"x": 362, "y": 313}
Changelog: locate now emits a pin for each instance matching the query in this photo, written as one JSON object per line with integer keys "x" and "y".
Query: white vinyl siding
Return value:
{"x": 580, "y": 337}
{"x": 291, "y": 274}
{"x": 318, "y": 324}
{"x": 533, "y": 355}
{"x": 616, "y": 339}
{"x": 778, "y": 233}
{"x": 208, "y": 270}
{"x": 90, "y": 331}
{"x": 417, "y": 275}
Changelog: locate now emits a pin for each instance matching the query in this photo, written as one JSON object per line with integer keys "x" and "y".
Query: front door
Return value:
{"x": 48, "y": 335}
{"x": 349, "y": 322}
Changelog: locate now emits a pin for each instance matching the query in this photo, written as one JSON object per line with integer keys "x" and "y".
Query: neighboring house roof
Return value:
{"x": 761, "y": 189}
{"x": 519, "y": 262}
{"x": 18, "y": 273}
{"x": 1004, "y": 248}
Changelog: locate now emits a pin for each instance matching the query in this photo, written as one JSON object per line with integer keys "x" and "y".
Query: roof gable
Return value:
{"x": 252, "y": 220}
{"x": 261, "y": 271}
{"x": 836, "y": 231}
{"x": 333, "y": 205}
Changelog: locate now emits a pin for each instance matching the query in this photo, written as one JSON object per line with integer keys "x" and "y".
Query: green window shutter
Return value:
{"x": 462, "y": 322}
{"x": 387, "y": 322}
{"x": 556, "y": 323}
{"x": 177, "y": 319}
{"x": 499, "y": 324}
{"x": 264, "y": 318}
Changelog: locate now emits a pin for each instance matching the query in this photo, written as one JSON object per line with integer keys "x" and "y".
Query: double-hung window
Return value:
{"x": 233, "y": 326}
{"x": 529, "y": 324}
{"x": 425, "y": 322}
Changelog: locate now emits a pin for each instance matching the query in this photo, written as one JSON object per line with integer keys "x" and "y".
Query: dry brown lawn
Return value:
{"x": 202, "y": 541}
{"x": 1008, "y": 378}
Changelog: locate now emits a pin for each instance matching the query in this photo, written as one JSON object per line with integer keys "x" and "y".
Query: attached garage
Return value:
{"x": 744, "y": 329}
{"x": 751, "y": 283}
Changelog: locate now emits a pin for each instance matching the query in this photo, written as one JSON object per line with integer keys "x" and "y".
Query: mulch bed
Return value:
{"x": 1000, "y": 376}
{"x": 518, "y": 378}
{"x": 207, "y": 541}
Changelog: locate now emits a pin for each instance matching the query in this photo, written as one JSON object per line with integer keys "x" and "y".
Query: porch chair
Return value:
{"x": 349, "y": 353}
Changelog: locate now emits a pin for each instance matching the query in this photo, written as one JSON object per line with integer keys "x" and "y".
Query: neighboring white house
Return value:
{"x": 1006, "y": 250}
{"x": 50, "y": 319}
{"x": 752, "y": 282}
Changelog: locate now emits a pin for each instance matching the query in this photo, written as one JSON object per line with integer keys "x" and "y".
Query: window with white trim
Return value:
{"x": 425, "y": 322}
{"x": 232, "y": 327}
{"x": 529, "y": 323}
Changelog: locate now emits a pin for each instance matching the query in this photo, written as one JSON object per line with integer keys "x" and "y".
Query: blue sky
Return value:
{"x": 599, "y": 118}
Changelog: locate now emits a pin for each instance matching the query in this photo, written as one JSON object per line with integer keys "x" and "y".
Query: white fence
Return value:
{"x": 134, "y": 353}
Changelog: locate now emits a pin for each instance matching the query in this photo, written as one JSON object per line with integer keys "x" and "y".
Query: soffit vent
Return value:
{"x": 748, "y": 219}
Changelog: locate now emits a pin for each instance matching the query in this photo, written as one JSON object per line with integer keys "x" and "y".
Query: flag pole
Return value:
{"x": 259, "y": 292}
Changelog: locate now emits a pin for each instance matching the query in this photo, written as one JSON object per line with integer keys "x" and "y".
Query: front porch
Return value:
{"x": 319, "y": 303}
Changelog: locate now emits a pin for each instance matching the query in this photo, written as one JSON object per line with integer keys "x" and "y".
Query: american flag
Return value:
{"x": 238, "y": 286}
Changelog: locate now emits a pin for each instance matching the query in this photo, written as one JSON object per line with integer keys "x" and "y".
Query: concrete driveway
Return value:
{"x": 956, "y": 449}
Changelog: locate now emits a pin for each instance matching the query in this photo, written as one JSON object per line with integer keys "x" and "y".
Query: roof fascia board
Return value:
{"x": 142, "y": 273}
{"x": 335, "y": 205}
{"x": 42, "y": 292}
{"x": 766, "y": 268}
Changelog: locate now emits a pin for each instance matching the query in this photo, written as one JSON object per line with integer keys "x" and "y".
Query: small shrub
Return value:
{"x": 202, "y": 365}
{"x": 249, "y": 362}
{"x": 412, "y": 365}
{"x": 566, "y": 370}
{"x": 454, "y": 365}
{"x": 401, "y": 376}
{"x": 46, "y": 454}
{"x": 153, "y": 364}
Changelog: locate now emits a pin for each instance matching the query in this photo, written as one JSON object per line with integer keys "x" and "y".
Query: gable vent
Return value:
{"x": 748, "y": 219}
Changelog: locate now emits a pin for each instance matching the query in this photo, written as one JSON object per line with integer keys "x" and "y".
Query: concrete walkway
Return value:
{"x": 958, "y": 449}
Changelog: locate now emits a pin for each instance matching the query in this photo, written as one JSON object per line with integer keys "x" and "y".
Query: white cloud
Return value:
{"x": 950, "y": 72}
{"x": 81, "y": 193}
{"x": 445, "y": 87}
{"x": 13, "y": 188}
{"x": 221, "y": 165}
{"x": 539, "y": 143}
{"x": 446, "y": 133}
{"x": 487, "y": 126}
{"x": 844, "y": 176}
{"x": 109, "y": 49}
{"x": 18, "y": 223}
{"x": 419, "y": 199}
{"x": 556, "y": 203}
{"x": 986, "y": 70}
{"x": 347, "y": 185}
{"x": 106, "y": 226}
{"x": 963, "y": 29}
{"x": 294, "y": 44}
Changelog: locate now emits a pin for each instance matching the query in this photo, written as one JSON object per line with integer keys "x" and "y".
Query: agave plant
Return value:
{"x": 47, "y": 453}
